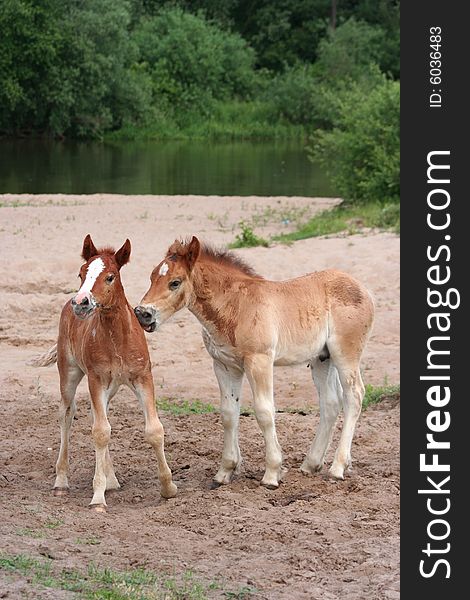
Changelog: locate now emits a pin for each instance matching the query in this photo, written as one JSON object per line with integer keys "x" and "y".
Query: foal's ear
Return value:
{"x": 192, "y": 252}
{"x": 123, "y": 254}
{"x": 88, "y": 249}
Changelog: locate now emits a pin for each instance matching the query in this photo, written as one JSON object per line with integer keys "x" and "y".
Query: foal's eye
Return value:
{"x": 110, "y": 279}
{"x": 174, "y": 285}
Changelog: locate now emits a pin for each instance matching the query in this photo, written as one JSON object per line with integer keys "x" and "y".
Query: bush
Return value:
{"x": 191, "y": 61}
{"x": 362, "y": 152}
{"x": 311, "y": 95}
{"x": 292, "y": 95}
{"x": 347, "y": 51}
{"x": 109, "y": 89}
{"x": 69, "y": 68}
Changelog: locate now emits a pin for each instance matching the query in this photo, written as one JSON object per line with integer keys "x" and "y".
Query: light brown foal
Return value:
{"x": 99, "y": 336}
{"x": 251, "y": 324}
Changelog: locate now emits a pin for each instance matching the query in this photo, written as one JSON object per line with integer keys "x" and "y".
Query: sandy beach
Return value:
{"x": 310, "y": 538}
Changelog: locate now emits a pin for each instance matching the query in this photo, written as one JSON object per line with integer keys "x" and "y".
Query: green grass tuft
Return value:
{"x": 247, "y": 238}
{"x": 184, "y": 407}
{"x": 375, "y": 394}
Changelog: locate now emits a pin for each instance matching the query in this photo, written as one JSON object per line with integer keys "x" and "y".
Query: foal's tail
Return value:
{"x": 46, "y": 359}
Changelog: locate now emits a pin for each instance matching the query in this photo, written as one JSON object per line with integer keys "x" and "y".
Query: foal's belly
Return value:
{"x": 295, "y": 358}
{"x": 298, "y": 353}
{"x": 295, "y": 353}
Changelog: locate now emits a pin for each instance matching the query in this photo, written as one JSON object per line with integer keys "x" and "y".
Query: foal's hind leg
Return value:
{"x": 353, "y": 394}
{"x": 330, "y": 392}
{"x": 112, "y": 482}
{"x": 230, "y": 383}
{"x": 154, "y": 434}
{"x": 70, "y": 377}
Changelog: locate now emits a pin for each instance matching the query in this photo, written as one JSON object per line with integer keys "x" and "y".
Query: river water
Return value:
{"x": 186, "y": 167}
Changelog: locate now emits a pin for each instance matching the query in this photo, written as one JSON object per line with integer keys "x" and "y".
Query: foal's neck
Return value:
{"x": 216, "y": 288}
{"x": 116, "y": 316}
{"x": 212, "y": 279}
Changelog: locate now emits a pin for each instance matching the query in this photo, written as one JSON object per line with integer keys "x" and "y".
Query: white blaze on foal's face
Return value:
{"x": 163, "y": 269}
{"x": 94, "y": 269}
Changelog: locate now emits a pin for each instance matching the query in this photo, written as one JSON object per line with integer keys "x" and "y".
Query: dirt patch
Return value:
{"x": 311, "y": 538}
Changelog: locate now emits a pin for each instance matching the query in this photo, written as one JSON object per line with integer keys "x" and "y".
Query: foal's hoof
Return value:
{"x": 58, "y": 491}
{"x": 269, "y": 485}
{"x": 169, "y": 492}
{"x": 99, "y": 508}
{"x": 336, "y": 472}
{"x": 215, "y": 484}
{"x": 309, "y": 469}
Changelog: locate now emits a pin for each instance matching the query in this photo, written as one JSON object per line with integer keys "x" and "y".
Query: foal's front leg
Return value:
{"x": 154, "y": 434}
{"x": 101, "y": 432}
{"x": 230, "y": 383}
{"x": 70, "y": 377}
{"x": 259, "y": 370}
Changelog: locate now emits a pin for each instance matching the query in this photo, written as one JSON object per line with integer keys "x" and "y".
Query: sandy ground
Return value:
{"x": 311, "y": 538}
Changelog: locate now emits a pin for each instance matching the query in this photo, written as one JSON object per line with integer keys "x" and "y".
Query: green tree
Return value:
{"x": 386, "y": 15}
{"x": 284, "y": 32}
{"x": 69, "y": 68}
{"x": 362, "y": 152}
{"x": 312, "y": 94}
{"x": 345, "y": 52}
{"x": 100, "y": 64}
{"x": 30, "y": 45}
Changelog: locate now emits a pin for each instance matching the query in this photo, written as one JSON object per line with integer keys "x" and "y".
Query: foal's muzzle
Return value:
{"x": 84, "y": 308}
{"x": 147, "y": 317}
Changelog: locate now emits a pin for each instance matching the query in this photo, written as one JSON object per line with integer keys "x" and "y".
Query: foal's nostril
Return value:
{"x": 85, "y": 302}
{"x": 145, "y": 316}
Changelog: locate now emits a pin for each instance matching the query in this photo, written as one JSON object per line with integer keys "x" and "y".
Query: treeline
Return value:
{"x": 203, "y": 68}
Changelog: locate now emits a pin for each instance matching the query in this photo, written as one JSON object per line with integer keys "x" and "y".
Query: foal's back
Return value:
{"x": 297, "y": 316}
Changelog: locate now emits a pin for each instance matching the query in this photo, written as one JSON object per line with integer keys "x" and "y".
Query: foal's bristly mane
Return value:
{"x": 220, "y": 256}
{"x": 226, "y": 257}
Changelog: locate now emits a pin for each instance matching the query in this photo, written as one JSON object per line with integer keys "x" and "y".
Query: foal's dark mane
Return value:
{"x": 226, "y": 257}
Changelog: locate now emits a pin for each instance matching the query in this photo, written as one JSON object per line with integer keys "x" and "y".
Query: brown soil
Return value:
{"x": 311, "y": 538}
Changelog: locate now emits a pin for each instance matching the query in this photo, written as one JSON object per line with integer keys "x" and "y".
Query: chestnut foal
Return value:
{"x": 100, "y": 336}
{"x": 251, "y": 324}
